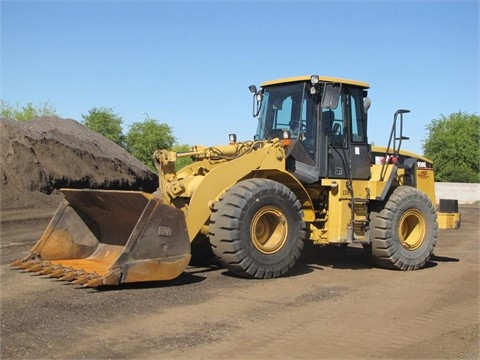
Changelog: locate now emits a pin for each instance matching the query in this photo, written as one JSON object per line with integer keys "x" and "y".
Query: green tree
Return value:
{"x": 104, "y": 121}
{"x": 26, "y": 112}
{"x": 145, "y": 137}
{"x": 453, "y": 144}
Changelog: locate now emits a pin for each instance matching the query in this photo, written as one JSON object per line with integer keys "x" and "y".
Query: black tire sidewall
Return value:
{"x": 387, "y": 250}
{"x": 422, "y": 252}
{"x": 253, "y": 205}
{"x": 231, "y": 222}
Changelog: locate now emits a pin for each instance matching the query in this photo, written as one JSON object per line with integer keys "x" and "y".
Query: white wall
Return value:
{"x": 464, "y": 193}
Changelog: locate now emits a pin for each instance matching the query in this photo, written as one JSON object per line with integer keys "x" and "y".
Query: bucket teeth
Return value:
{"x": 27, "y": 264}
{"x": 58, "y": 273}
{"x": 48, "y": 269}
{"x": 69, "y": 276}
{"x": 82, "y": 279}
{"x": 37, "y": 267}
{"x": 17, "y": 263}
{"x": 95, "y": 282}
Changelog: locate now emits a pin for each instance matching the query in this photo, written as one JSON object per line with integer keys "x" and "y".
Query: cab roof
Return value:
{"x": 321, "y": 78}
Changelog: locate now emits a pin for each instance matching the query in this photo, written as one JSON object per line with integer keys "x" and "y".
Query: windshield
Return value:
{"x": 286, "y": 107}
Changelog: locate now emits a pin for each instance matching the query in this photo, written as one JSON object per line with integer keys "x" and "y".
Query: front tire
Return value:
{"x": 256, "y": 229}
{"x": 404, "y": 232}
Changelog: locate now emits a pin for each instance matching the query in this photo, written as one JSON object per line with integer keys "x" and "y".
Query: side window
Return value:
{"x": 359, "y": 127}
{"x": 304, "y": 114}
{"x": 338, "y": 121}
{"x": 308, "y": 126}
{"x": 338, "y": 124}
{"x": 284, "y": 113}
{"x": 308, "y": 120}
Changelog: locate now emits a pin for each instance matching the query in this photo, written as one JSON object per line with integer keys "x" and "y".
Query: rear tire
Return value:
{"x": 256, "y": 230}
{"x": 404, "y": 232}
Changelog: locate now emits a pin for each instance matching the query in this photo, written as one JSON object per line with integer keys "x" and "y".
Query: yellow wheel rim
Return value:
{"x": 412, "y": 229}
{"x": 269, "y": 230}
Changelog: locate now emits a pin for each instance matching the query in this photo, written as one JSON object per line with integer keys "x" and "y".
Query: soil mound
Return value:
{"x": 39, "y": 157}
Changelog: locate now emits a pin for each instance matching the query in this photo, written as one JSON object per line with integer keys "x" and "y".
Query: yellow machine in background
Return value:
{"x": 309, "y": 174}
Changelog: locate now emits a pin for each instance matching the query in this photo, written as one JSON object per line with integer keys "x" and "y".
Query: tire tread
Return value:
{"x": 385, "y": 249}
{"x": 225, "y": 229}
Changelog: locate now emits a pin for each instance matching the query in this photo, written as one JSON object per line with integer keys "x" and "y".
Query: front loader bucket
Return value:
{"x": 108, "y": 237}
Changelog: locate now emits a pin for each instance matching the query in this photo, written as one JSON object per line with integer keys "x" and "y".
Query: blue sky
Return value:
{"x": 189, "y": 63}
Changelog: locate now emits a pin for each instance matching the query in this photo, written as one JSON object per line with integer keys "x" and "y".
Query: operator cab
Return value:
{"x": 326, "y": 121}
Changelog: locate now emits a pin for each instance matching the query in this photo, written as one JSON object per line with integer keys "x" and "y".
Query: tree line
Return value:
{"x": 451, "y": 142}
{"x": 142, "y": 138}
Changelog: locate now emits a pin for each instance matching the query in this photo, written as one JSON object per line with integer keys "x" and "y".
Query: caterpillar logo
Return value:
{"x": 423, "y": 174}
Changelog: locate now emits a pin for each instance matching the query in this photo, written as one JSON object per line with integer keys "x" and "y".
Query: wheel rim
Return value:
{"x": 412, "y": 229}
{"x": 269, "y": 230}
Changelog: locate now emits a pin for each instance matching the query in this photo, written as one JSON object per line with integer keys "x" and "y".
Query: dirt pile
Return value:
{"x": 39, "y": 157}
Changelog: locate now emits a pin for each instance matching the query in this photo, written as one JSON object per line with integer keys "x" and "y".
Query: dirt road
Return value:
{"x": 335, "y": 305}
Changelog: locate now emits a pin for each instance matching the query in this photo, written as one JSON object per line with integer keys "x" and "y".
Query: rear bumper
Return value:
{"x": 449, "y": 220}
{"x": 448, "y": 216}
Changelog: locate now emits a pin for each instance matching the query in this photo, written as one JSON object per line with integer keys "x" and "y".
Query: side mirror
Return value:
{"x": 336, "y": 129}
{"x": 330, "y": 96}
{"x": 366, "y": 104}
{"x": 257, "y": 99}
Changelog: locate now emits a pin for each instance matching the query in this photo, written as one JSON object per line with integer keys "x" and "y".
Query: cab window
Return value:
{"x": 359, "y": 121}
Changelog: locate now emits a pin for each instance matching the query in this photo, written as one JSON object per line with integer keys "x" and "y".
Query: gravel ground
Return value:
{"x": 334, "y": 305}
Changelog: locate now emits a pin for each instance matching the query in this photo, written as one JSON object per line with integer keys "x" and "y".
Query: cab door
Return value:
{"x": 359, "y": 149}
{"x": 346, "y": 150}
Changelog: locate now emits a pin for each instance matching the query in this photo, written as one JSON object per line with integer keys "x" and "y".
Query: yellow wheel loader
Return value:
{"x": 309, "y": 174}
